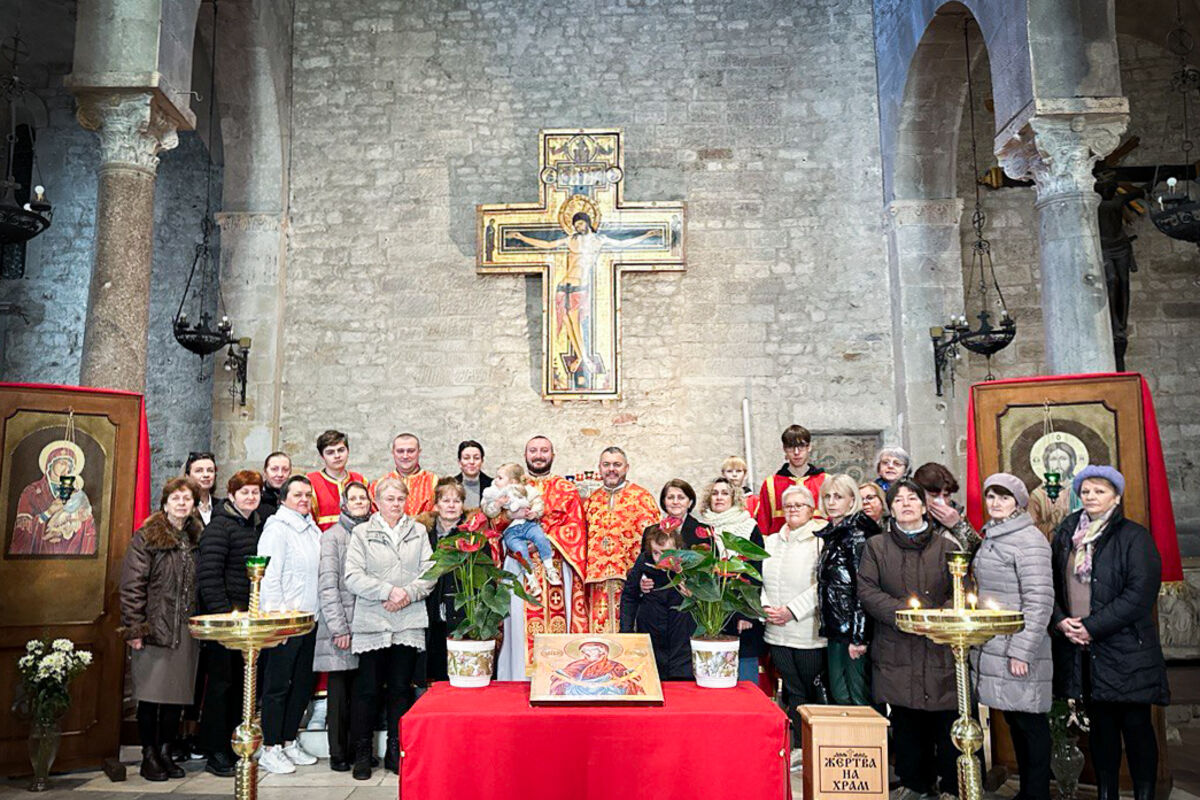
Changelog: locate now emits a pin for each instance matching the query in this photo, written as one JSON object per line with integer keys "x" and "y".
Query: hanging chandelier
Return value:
{"x": 987, "y": 339}
{"x": 206, "y": 335}
{"x": 1178, "y": 211}
{"x": 20, "y": 221}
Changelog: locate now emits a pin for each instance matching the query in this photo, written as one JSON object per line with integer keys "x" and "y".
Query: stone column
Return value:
{"x": 1058, "y": 152}
{"x": 252, "y": 277}
{"x": 133, "y": 130}
{"x": 925, "y": 256}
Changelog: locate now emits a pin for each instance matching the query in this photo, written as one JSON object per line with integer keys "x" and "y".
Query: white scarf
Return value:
{"x": 735, "y": 520}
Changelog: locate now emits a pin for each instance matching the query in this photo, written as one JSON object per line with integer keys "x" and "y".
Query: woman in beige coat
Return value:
{"x": 385, "y": 560}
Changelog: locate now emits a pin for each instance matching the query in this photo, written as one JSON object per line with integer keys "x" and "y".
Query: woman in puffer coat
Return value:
{"x": 385, "y": 560}
{"x": 331, "y": 654}
{"x": 1107, "y": 572}
{"x": 158, "y": 593}
{"x": 843, "y": 621}
{"x": 1012, "y": 571}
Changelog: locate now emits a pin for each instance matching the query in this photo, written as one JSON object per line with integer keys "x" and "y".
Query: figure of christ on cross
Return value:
{"x": 580, "y": 237}
{"x": 573, "y": 295}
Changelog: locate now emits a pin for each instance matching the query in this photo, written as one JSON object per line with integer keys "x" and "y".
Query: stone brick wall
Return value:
{"x": 1165, "y": 313}
{"x": 760, "y": 115}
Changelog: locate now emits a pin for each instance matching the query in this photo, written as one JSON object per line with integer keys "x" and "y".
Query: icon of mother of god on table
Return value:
{"x": 595, "y": 672}
{"x": 54, "y": 515}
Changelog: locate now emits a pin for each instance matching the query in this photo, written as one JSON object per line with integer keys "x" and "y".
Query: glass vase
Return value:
{"x": 1066, "y": 762}
{"x": 44, "y": 736}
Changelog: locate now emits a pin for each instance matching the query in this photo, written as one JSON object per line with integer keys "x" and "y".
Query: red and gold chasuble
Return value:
{"x": 420, "y": 491}
{"x": 327, "y": 497}
{"x": 615, "y": 522}
{"x": 563, "y": 522}
{"x": 770, "y": 497}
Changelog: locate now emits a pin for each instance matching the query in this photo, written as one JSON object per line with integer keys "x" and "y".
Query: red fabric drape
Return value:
{"x": 1158, "y": 488}
{"x": 701, "y": 743}
{"x": 141, "y": 490}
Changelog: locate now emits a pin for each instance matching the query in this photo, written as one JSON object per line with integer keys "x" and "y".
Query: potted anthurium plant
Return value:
{"x": 482, "y": 595}
{"x": 716, "y": 585}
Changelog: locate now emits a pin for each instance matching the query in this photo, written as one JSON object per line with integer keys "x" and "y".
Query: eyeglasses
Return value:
{"x": 793, "y": 507}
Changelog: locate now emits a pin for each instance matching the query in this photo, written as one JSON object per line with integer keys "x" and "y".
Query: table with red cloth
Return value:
{"x": 491, "y": 743}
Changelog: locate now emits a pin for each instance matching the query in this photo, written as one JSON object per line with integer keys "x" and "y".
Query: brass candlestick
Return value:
{"x": 961, "y": 627}
{"x": 250, "y": 632}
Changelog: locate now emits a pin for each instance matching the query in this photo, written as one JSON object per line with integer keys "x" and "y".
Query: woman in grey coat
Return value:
{"x": 1012, "y": 570}
{"x": 333, "y": 654}
{"x": 385, "y": 560}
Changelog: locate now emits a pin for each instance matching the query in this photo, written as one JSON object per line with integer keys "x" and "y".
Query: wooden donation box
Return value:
{"x": 845, "y": 753}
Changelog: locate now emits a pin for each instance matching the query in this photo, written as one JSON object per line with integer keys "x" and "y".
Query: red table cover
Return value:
{"x": 491, "y": 743}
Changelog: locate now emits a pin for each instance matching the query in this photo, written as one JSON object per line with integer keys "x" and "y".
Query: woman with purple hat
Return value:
{"x": 1107, "y": 573}
{"x": 1012, "y": 571}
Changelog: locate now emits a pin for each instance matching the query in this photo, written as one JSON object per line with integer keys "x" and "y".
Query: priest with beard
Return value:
{"x": 563, "y": 607}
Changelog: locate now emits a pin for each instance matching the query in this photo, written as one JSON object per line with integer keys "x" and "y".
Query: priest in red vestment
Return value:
{"x": 406, "y": 453}
{"x": 563, "y": 607}
{"x": 797, "y": 446}
{"x": 617, "y": 514}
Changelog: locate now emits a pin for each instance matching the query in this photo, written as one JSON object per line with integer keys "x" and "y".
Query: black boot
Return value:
{"x": 152, "y": 768}
{"x": 1143, "y": 790}
{"x": 391, "y": 756}
{"x": 173, "y": 770}
{"x": 362, "y": 761}
{"x": 1108, "y": 787}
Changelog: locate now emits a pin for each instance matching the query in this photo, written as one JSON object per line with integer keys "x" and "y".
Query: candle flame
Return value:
{"x": 991, "y": 604}
{"x": 972, "y": 600}
{"x": 914, "y": 603}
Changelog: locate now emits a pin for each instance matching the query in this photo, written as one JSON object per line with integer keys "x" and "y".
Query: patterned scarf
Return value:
{"x": 1086, "y": 533}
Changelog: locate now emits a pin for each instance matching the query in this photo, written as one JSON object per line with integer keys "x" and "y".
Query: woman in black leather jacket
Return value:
{"x": 844, "y": 624}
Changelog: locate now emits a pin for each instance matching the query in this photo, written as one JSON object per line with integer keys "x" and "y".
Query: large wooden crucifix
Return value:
{"x": 580, "y": 236}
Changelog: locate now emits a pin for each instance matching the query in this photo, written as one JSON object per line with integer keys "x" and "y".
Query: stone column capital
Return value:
{"x": 133, "y": 129}
{"x": 1058, "y": 152}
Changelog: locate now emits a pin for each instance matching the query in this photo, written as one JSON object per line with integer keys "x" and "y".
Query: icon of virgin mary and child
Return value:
{"x": 54, "y": 515}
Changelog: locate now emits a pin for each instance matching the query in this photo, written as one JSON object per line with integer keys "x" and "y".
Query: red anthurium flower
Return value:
{"x": 475, "y": 522}
{"x": 670, "y": 562}
{"x": 670, "y": 523}
{"x": 703, "y": 532}
{"x": 469, "y": 544}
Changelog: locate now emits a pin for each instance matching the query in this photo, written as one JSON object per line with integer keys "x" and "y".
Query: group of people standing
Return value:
{"x": 843, "y": 557}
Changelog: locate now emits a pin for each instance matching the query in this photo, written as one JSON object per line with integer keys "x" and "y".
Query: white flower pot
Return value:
{"x": 715, "y": 663}
{"x": 470, "y": 663}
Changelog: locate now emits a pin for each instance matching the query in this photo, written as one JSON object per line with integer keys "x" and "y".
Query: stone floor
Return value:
{"x": 320, "y": 783}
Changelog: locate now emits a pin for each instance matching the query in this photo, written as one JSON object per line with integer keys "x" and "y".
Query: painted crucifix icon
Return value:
{"x": 580, "y": 236}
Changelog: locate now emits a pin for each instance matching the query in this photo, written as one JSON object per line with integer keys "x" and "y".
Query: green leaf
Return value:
{"x": 743, "y": 547}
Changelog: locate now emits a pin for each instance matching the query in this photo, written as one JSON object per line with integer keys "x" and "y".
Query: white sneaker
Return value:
{"x": 316, "y": 721}
{"x": 298, "y": 755}
{"x": 552, "y": 575}
{"x": 274, "y": 761}
{"x": 532, "y": 586}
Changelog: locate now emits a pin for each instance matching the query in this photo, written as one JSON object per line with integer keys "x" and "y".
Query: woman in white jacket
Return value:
{"x": 293, "y": 542}
{"x": 385, "y": 560}
{"x": 789, "y": 596}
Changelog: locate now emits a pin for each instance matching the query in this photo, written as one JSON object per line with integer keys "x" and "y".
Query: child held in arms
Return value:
{"x": 655, "y": 611}
{"x": 509, "y": 500}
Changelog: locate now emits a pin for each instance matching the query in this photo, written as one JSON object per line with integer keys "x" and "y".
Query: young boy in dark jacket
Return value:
{"x": 648, "y": 607}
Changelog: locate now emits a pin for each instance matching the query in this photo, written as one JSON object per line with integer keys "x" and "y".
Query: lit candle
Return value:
{"x": 990, "y": 604}
{"x": 972, "y": 600}
{"x": 914, "y": 603}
